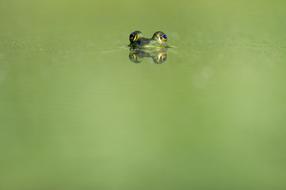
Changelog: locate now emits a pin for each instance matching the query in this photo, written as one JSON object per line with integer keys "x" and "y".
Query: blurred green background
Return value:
{"x": 75, "y": 113}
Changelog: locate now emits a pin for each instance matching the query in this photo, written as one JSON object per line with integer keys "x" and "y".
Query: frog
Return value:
{"x": 138, "y": 41}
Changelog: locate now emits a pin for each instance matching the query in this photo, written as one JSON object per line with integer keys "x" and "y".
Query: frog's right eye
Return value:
{"x": 131, "y": 37}
{"x": 135, "y": 36}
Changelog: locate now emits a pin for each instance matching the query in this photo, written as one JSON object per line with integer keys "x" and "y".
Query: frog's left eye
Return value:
{"x": 164, "y": 36}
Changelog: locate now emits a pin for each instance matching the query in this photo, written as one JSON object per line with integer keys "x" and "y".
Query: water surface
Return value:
{"x": 76, "y": 113}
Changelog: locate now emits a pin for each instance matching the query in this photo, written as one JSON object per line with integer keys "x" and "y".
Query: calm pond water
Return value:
{"x": 77, "y": 113}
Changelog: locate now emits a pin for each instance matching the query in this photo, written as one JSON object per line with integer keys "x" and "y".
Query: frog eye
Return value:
{"x": 164, "y": 36}
{"x": 135, "y": 37}
{"x": 131, "y": 37}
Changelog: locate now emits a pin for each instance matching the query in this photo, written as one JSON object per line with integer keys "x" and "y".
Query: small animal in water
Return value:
{"x": 158, "y": 40}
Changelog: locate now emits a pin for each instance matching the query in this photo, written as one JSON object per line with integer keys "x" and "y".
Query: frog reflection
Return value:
{"x": 158, "y": 56}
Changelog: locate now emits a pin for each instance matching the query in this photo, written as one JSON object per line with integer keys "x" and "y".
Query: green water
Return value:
{"x": 76, "y": 113}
